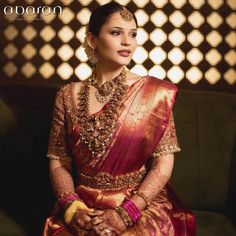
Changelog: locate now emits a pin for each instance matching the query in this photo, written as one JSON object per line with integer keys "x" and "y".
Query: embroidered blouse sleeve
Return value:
{"x": 169, "y": 143}
{"x": 57, "y": 147}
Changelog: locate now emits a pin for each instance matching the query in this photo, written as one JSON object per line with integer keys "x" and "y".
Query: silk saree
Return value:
{"x": 144, "y": 130}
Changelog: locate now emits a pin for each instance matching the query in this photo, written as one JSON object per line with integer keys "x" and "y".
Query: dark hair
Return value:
{"x": 101, "y": 14}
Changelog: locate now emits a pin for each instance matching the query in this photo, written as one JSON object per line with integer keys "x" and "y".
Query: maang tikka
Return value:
{"x": 90, "y": 52}
{"x": 126, "y": 15}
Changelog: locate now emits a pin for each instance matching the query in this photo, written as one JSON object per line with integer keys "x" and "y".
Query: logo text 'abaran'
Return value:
{"x": 31, "y": 10}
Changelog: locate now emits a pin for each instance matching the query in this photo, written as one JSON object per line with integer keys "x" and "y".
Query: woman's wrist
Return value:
{"x": 66, "y": 200}
{"x": 74, "y": 207}
{"x": 129, "y": 212}
{"x": 139, "y": 202}
{"x": 142, "y": 200}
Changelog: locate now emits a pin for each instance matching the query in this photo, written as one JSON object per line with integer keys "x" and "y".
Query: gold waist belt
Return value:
{"x": 106, "y": 181}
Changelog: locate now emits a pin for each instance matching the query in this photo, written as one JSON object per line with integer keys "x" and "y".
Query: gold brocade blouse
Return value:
{"x": 64, "y": 119}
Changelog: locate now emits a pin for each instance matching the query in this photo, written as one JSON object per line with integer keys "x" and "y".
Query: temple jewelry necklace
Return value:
{"x": 104, "y": 91}
{"x": 97, "y": 129}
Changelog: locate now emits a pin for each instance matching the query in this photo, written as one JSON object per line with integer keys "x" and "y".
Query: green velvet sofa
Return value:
{"x": 204, "y": 175}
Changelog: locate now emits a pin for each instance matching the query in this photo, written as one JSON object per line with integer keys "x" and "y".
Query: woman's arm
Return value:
{"x": 61, "y": 178}
{"x": 155, "y": 180}
{"x": 161, "y": 166}
{"x": 60, "y": 166}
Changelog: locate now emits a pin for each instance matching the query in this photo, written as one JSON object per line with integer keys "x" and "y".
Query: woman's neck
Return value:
{"x": 107, "y": 73}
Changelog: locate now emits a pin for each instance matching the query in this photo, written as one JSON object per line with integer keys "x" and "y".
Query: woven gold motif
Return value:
{"x": 169, "y": 143}
{"x": 106, "y": 181}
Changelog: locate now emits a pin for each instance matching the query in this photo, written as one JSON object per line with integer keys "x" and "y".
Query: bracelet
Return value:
{"x": 67, "y": 200}
{"x": 144, "y": 197}
{"x": 64, "y": 194}
{"x": 132, "y": 210}
{"x": 124, "y": 216}
{"x": 72, "y": 209}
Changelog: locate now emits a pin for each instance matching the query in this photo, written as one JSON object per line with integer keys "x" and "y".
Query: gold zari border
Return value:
{"x": 106, "y": 181}
{"x": 55, "y": 157}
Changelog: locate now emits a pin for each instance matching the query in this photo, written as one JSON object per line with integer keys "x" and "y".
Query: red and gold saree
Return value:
{"x": 144, "y": 130}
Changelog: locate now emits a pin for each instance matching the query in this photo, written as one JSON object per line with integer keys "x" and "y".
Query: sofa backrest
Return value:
{"x": 206, "y": 131}
{"x": 25, "y": 120}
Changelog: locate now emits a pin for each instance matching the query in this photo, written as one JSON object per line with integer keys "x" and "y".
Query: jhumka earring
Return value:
{"x": 90, "y": 52}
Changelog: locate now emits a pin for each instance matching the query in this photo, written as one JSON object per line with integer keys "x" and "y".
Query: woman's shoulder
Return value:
{"x": 155, "y": 81}
{"x": 66, "y": 88}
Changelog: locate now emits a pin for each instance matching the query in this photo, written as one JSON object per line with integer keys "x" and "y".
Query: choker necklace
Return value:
{"x": 97, "y": 130}
{"x": 104, "y": 91}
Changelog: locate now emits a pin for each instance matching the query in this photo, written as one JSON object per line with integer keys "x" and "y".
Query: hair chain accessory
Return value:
{"x": 90, "y": 52}
{"x": 126, "y": 14}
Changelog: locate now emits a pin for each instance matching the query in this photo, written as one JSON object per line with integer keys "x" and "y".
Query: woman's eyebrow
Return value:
{"x": 120, "y": 28}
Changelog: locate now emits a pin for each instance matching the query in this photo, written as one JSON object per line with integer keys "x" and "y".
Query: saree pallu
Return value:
{"x": 105, "y": 182}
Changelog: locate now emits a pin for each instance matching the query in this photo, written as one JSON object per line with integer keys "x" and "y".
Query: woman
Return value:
{"x": 117, "y": 129}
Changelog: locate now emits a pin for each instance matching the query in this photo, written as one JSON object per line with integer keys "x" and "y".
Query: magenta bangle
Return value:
{"x": 65, "y": 201}
{"x": 132, "y": 210}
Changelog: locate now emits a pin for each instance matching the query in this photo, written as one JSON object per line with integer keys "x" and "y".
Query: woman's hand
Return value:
{"x": 82, "y": 220}
{"x": 107, "y": 222}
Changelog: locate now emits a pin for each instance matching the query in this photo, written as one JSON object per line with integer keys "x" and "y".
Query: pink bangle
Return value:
{"x": 132, "y": 210}
{"x": 65, "y": 201}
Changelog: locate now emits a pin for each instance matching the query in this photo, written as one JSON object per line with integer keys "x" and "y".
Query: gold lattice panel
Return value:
{"x": 182, "y": 41}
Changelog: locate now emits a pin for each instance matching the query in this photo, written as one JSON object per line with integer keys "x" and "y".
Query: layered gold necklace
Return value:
{"x": 104, "y": 91}
{"x": 97, "y": 129}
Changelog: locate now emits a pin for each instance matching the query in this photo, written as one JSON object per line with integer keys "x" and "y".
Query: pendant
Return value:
{"x": 105, "y": 89}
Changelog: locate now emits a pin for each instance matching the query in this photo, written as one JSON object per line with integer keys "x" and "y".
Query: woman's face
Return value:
{"x": 116, "y": 42}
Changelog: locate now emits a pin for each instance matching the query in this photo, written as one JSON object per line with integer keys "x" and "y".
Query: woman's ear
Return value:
{"x": 91, "y": 40}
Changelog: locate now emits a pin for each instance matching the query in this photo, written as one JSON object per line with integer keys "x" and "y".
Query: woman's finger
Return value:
{"x": 108, "y": 231}
{"x": 87, "y": 218}
{"x": 97, "y": 220}
{"x": 95, "y": 213}
{"x": 100, "y": 227}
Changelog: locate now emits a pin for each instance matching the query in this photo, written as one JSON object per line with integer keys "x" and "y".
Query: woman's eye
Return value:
{"x": 115, "y": 32}
{"x": 133, "y": 35}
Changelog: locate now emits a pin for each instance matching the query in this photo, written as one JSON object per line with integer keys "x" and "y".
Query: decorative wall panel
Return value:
{"x": 191, "y": 43}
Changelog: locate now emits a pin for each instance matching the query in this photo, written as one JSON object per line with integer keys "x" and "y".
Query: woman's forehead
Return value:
{"x": 116, "y": 20}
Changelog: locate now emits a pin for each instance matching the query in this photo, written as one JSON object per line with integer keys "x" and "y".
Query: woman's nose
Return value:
{"x": 125, "y": 40}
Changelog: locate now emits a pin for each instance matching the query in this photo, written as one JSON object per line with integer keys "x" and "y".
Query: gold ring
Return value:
{"x": 107, "y": 232}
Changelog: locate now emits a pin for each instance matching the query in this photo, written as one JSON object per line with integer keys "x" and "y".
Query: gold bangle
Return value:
{"x": 72, "y": 209}
{"x": 144, "y": 197}
{"x": 124, "y": 216}
{"x": 65, "y": 193}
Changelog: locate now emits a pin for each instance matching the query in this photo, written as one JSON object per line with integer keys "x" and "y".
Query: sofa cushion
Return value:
{"x": 213, "y": 224}
{"x": 9, "y": 227}
{"x": 206, "y": 130}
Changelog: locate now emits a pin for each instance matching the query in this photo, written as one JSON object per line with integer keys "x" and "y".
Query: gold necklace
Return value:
{"x": 97, "y": 129}
{"x": 105, "y": 91}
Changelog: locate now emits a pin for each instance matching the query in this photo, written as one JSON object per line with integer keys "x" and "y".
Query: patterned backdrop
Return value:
{"x": 189, "y": 42}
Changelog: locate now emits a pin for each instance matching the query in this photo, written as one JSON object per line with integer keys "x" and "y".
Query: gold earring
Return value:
{"x": 90, "y": 52}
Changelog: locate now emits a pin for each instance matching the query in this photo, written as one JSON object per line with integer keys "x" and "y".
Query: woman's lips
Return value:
{"x": 124, "y": 53}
